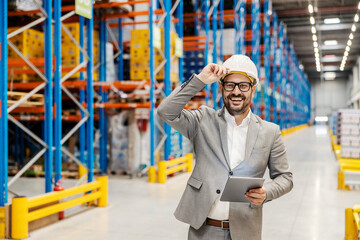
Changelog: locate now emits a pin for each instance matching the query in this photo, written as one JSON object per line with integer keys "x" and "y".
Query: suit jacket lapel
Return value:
{"x": 223, "y": 134}
{"x": 251, "y": 136}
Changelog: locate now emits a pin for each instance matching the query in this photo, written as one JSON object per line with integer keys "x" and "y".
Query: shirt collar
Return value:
{"x": 231, "y": 119}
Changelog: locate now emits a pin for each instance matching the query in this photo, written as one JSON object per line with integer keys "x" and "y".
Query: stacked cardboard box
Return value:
{"x": 31, "y": 44}
{"x": 140, "y": 55}
{"x": 350, "y": 133}
{"x": 70, "y": 53}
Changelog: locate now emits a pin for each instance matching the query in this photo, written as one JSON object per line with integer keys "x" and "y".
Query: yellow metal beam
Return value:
{"x": 2, "y": 222}
{"x": 176, "y": 169}
{"x": 43, "y": 212}
{"x": 56, "y": 196}
{"x": 179, "y": 164}
{"x": 351, "y": 230}
{"x": 19, "y": 217}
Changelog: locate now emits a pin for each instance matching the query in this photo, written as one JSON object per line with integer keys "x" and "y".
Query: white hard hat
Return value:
{"x": 242, "y": 64}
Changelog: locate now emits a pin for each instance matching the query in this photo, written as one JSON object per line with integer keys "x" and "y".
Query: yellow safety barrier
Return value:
{"x": 293, "y": 129}
{"x": 345, "y": 164}
{"x": 21, "y": 216}
{"x": 2, "y": 222}
{"x": 175, "y": 165}
{"x": 352, "y": 223}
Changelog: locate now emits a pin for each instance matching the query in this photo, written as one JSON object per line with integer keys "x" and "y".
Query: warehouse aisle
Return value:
{"x": 138, "y": 210}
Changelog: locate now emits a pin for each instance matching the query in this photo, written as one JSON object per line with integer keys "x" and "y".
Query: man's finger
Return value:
{"x": 256, "y": 195}
{"x": 257, "y": 190}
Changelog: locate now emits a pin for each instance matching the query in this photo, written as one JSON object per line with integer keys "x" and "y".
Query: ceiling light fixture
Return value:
{"x": 331, "y": 20}
{"x": 349, "y": 42}
{"x": 359, "y": 6}
{"x": 312, "y": 20}
{"x": 351, "y": 36}
{"x": 330, "y": 42}
{"x": 353, "y": 28}
{"x": 347, "y": 49}
{"x": 330, "y": 75}
{"x": 311, "y": 9}
{"x": 356, "y": 18}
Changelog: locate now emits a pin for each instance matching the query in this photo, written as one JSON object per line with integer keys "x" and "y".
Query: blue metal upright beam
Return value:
{"x": 102, "y": 112}
{"x": 255, "y": 49}
{"x": 82, "y": 90}
{"x": 206, "y": 57}
{"x": 221, "y": 26}
{"x": 3, "y": 105}
{"x": 121, "y": 55}
{"x": 242, "y": 27}
{"x": 267, "y": 59}
{"x": 180, "y": 32}
{"x": 167, "y": 79}
{"x": 274, "y": 40}
{"x": 196, "y": 8}
{"x": 57, "y": 90}
{"x": 90, "y": 100}
{"x": 214, "y": 86}
{"x": 152, "y": 171}
{"x": 237, "y": 25}
{"x": 279, "y": 79}
{"x": 48, "y": 124}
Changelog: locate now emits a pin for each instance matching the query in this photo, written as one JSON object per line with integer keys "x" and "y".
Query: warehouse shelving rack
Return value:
{"x": 165, "y": 18}
{"x": 59, "y": 84}
{"x": 206, "y": 16}
{"x": 47, "y": 150}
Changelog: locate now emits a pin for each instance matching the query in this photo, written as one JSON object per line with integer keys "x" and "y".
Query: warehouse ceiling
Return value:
{"x": 296, "y": 16}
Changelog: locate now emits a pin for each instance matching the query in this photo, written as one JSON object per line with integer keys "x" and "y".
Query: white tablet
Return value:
{"x": 236, "y": 187}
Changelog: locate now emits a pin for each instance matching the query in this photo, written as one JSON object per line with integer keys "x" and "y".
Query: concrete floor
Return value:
{"x": 314, "y": 209}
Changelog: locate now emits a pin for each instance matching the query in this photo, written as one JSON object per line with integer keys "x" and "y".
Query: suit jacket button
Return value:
{"x": 231, "y": 173}
{"x": 218, "y": 191}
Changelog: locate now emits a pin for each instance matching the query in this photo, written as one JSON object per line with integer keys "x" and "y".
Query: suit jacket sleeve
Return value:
{"x": 171, "y": 109}
{"x": 279, "y": 170}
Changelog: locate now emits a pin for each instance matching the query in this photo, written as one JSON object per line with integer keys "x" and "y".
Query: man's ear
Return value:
{"x": 253, "y": 89}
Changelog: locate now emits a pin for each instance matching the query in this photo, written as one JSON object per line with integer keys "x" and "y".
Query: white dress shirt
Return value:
{"x": 236, "y": 140}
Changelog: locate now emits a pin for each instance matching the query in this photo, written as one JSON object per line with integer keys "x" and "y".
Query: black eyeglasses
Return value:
{"x": 243, "y": 86}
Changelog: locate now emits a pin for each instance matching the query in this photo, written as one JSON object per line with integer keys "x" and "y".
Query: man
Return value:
{"x": 231, "y": 141}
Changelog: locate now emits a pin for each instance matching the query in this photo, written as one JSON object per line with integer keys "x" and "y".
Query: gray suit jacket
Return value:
{"x": 206, "y": 128}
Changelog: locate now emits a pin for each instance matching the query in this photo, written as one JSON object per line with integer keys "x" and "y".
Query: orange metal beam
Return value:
{"x": 192, "y": 38}
{"x": 194, "y": 49}
{"x": 71, "y": 118}
{"x": 132, "y": 14}
{"x": 19, "y": 62}
{"x": 28, "y": 110}
{"x": 187, "y": 44}
{"x": 115, "y": 25}
{"x": 72, "y": 7}
{"x": 123, "y": 105}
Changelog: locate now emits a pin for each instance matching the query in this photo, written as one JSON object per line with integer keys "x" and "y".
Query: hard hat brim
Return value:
{"x": 252, "y": 79}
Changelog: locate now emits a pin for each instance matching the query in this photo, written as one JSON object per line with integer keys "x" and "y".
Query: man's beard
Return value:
{"x": 237, "y": 111}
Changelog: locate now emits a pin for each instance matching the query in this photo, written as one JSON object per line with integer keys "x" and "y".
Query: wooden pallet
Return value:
{"x": 34, "y": 100}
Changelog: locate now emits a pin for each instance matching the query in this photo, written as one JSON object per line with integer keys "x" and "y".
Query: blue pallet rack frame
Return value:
{"x": 266, "y": 60}
{"x": 3, "y": 99}
{"x": 103, "y": 95}
{"x": 240, "y": 26}
{"x": 47, "y": 145}
{"x": 275, "y": 66}
{"x": 167, "y": 81}
{"x": 49, "y": 138}
{"x": 255, "y": 48}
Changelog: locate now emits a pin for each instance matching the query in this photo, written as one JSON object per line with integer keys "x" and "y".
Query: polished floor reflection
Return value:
{"x": 314, "y": 210}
